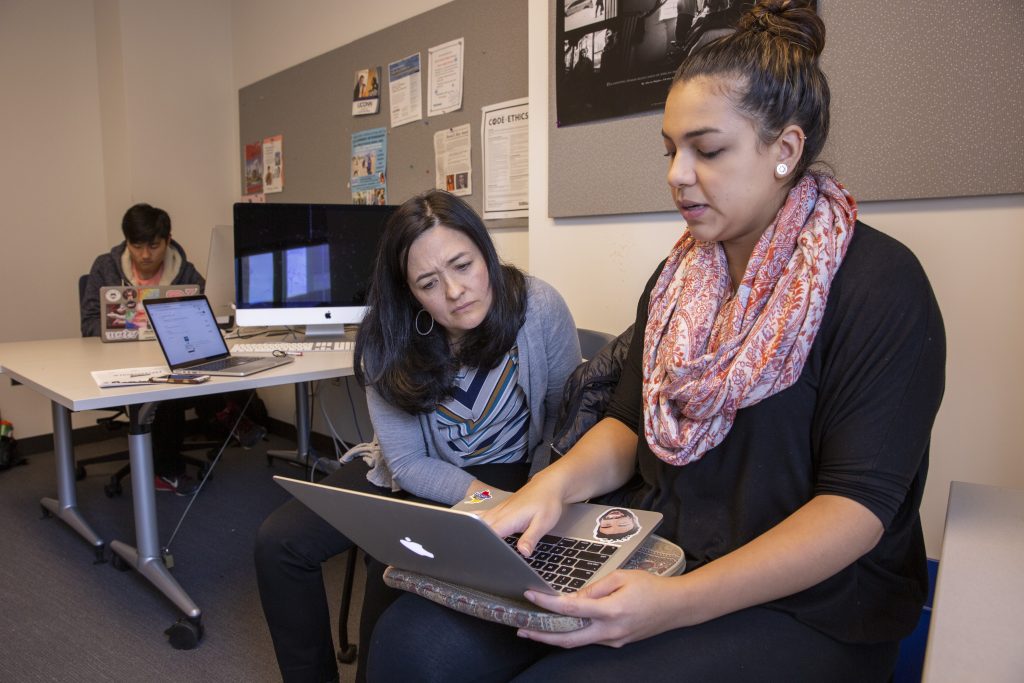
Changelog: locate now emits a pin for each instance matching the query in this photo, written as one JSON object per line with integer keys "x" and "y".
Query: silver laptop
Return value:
{"x": 192, "y": 343}
{"x": 589, "y": 542}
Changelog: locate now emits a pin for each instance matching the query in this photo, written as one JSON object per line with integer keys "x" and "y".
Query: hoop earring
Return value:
{"x": 416, "y": 323}
{"x": 781, "y": 170}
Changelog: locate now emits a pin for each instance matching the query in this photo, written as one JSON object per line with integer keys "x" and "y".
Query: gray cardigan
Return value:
{"x": 417, "y": 456}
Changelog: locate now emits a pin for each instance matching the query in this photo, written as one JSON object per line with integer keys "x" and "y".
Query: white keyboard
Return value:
{"x": 304, "y": 347}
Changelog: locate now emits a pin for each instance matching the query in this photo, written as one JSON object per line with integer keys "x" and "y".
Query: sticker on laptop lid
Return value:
{"x": 616, "y": 525}
{"x": 478, "y": 497}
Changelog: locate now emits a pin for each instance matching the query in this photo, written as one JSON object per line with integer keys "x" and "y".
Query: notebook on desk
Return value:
{"x": 123, "y": 311}
{"x": 455, "y": 545}
{"x": 192, "y": 342}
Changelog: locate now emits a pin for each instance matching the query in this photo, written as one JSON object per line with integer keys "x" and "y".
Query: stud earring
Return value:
{"x": 781, "y": 170}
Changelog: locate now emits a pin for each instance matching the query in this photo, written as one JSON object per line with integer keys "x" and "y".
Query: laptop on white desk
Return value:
{"x": 123, "y": 309}
{"x": 193, "y": 344}
{"x": 454, "y": 544}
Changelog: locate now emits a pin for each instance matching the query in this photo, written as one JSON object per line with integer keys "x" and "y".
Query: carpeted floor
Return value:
{"x": 64, "y": 618}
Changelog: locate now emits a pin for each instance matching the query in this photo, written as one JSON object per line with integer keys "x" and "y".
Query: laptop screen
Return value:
{"x": 186, "y": 330}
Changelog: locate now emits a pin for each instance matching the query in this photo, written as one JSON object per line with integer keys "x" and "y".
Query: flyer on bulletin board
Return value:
{"x": 254, "y": 168}
{"x": 368, "y": 178}
{"x": 404, "y": 84}
{"x": 366, "y": 92}
{"x": 273, "y": 164}
{"x": 444, "y": 78}
{"x": 506, "y": 159}
{"x": 453, "y": 153}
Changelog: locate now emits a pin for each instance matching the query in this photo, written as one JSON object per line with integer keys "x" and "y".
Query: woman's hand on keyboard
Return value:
{"x": 533, "y": 510}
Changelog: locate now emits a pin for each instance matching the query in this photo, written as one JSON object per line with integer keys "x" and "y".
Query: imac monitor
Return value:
{"x": 305, "y": 264}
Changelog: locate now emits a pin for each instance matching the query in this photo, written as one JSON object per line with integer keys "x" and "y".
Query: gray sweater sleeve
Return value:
{"x": 551, "y": 331}
{"x": 409, "y": 457}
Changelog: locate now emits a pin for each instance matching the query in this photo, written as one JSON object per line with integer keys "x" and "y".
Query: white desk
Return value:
{"x": 978, "y": 611}
{"x": 60, "y": 370}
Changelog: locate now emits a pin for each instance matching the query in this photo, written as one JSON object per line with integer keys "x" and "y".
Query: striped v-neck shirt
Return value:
{"x": 487, "y": 419}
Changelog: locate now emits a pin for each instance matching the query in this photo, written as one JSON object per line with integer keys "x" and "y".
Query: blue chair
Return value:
{"x": 910, "y": 662}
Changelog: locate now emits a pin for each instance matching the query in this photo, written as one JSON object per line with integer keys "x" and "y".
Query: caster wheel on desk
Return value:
{"x": 46, "y": 514}
{"x": 118, "y": 563}
{"x": 101, "y": 554}
{"x": 347, "y": 655}
{"x": 185, "y": 634}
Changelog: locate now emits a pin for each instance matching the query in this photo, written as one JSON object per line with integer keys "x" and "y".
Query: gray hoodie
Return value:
{"x": 112, "y": 269}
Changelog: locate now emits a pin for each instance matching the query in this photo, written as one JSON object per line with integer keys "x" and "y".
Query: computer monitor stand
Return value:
{"x": 339, "y": 332}
{"x": 325, "y": 332}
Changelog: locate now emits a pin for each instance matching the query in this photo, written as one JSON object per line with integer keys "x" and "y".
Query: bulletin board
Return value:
{"x": 927, "y": 101}
{"x": 310, "y": 104}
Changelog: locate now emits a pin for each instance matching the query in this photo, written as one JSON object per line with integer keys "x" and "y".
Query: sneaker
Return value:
{"x": 181, "y": 485}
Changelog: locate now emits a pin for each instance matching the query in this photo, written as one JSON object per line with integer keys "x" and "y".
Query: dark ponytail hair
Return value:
{"x": 774, "y": 55}
{"x": 412, "y": 371}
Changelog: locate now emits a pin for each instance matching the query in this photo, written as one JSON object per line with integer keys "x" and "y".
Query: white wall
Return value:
{"x": 53, "y": 218}
{"x": 105, "y": 104}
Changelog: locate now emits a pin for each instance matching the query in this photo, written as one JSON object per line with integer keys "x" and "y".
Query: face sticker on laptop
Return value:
{"x": 616, "y": 525}
{"x": 478, "y": 497}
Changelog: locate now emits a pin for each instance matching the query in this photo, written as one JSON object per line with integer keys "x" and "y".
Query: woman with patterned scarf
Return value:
{"x": 776, "y": 410}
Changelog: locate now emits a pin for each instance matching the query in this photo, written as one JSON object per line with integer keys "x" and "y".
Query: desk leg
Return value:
{"x": 303, "y": 425}
{"x": 146, "y": 557}
{"x": 65, "y": 507}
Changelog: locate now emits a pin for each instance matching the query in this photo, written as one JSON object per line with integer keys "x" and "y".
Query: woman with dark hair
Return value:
{"x": 776, "y": 409}
{"x": 463, "y": 359}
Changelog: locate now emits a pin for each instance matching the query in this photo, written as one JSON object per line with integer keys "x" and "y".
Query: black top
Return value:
{"x": 856, "y": 424}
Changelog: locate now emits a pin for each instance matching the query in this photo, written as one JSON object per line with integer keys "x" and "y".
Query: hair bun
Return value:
{"x": 796, "y": 21}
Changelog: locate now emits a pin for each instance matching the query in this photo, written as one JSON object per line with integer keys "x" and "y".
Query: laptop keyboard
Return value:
{"x": 270, "y": 347}
{"x": 566, "y": 563}
{"x": 220, "y": 364}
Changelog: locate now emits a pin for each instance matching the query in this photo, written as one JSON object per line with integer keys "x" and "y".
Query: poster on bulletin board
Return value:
{"x": 273, "y": 162}
{"x": 368, "y": 176}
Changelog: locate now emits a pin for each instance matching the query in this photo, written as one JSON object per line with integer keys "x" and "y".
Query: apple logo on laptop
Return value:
{"x": 416, "y": 547}
{"x": 327, "y": 315}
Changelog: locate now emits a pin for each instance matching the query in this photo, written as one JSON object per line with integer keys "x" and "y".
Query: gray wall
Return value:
{"x": 310, "y": 104}
{"x": 927, "y": 101}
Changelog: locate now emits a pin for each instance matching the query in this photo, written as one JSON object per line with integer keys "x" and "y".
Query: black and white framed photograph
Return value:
{"x": 618, "y": 56}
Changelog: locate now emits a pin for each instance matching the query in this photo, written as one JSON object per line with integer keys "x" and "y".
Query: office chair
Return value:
{"x": 113, "y": 486}
{"x": 591, "y": 342}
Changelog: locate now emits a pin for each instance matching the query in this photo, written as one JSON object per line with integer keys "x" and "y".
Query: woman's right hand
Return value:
{"x": 533, "y": 510}
{"x": 602, "y": 460}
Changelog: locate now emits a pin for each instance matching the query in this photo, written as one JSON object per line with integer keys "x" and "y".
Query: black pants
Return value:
{"x": 419, "y": 640}
{"x": 291, "y": 546}
{"x": 168, "y": 428}
{"x": 168, "y": 434}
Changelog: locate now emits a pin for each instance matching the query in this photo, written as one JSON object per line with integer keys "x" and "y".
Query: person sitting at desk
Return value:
{"x": 148, "y": 256}
{"x": 776, "y": 406}
{"x": 464, "y": 360}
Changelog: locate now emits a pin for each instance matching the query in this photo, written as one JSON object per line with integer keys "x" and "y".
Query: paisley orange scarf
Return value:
{"x": 707, "y": 355}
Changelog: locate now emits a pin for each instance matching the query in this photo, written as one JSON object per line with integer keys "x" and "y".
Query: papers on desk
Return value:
{"x": 123, "y": 377}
